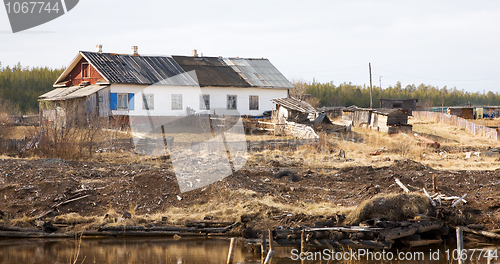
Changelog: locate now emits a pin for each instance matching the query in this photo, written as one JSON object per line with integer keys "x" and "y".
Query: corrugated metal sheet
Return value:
{"x": 59, "y": 92}
{"x": 211, "y": 71}
{"x": 258, "y": 72}
{"x": 144, "y": 70}
{"x": 295, "y": 104}
{"x": 71, "y": 92}
{"x": 52, "y": 93}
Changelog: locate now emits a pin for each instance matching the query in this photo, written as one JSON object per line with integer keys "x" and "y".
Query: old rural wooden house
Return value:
{"x": 407, "y": 105}
{"x": 110, "y": 84}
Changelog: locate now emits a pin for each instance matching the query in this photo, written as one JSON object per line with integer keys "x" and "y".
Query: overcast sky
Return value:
{"x": 453, "y": 43}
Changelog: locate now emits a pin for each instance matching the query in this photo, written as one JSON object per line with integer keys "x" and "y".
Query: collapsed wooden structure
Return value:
{"x": 299, "y": 119}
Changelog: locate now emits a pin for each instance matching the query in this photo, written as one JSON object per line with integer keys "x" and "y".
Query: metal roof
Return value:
{"x": 143, "y": 70}
{"x": 211, "y": 71}
{"x": 295, "y": 104}
{"x": 59, "y": 92}
{"x": 71, "y": 92}
{"x": 258, "y": 72}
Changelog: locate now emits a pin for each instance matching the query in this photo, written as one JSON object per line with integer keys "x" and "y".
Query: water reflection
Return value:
{"x": 161, "y": 250}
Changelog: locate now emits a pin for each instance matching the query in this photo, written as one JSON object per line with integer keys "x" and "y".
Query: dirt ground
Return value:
{"x": 123, "y": 188}
{"x": 29, "y": 188}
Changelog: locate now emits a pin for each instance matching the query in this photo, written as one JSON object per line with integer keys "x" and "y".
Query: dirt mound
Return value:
{"x": 407, "y": 164}
{"x": 393, "y": 207}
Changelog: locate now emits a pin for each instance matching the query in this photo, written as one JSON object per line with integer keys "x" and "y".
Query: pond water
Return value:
{"x": 202, "y": 251}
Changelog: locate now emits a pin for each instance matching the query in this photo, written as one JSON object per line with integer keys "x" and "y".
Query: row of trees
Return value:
{"x": 20, "y": 87}
{"x": 347, "y": 94}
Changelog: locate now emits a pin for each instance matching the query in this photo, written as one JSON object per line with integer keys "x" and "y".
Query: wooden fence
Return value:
{"x": 469, "y": 126}
{"x": 14, "y": 145}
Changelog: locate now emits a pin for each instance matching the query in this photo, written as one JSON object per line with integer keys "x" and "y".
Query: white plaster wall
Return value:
{"x": 191, "y": 98}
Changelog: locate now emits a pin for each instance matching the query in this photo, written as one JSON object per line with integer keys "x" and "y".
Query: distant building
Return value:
{"x": 464, "y": 112}
{"x": 385, "y": 120}
{"x": 407, "y": 105}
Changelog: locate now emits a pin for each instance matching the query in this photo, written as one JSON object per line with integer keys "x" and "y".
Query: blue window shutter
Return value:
{"x": 130, "y": 101}
{"x": 112, "y": 101}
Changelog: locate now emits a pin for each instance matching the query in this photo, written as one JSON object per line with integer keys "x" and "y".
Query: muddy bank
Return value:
{"x": 79, "y": 195}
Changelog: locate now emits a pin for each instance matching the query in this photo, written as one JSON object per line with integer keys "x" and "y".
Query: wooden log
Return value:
{"x": 270, "y": 240}
{"x": 18, "y": 229}
{"x": 434, "y": 183}
{"x": 395, "y": 233}
{"x": 230, "y": 255}
{"x": 69, "y": 201}
{"x": 17, "y": 234}
{"x": 460, "y": 244}
{"x": 346, "y": 229}
{"x": 193, "y": 229}
{"x": 303, "y": 241}
{"x": 371, "y": 244}
{"x": 430, "y": 199}
{"x": 424, "y": 227}
{"x": 122, "y": 228}
{"x": 269, "y": 256}
{"x": 368, "y": 244}
{"x": 401, "y": 185}
{"x": 263, "y": 246}
{"x": 139, "y": 233}
{"x": 481, "y": 232}
{"x": 208, "y": 223}
{"x": 461, "y": 198}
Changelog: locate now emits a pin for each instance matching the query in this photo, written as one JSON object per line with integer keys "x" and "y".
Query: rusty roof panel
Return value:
{"x": 259, "y": 72}
{"x": 144, "y": 70}
{"x": 211, "y": 71}
{"x": 295, "y": 104}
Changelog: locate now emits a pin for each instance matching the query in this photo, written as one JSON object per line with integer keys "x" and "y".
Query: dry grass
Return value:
{"x": 360, "y": 143}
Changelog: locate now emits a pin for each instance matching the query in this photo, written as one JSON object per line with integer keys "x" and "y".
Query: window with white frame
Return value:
{"x": 254, "y": 102}
{"x": 148, "y": 102}
{"x": 122, "y": 101}
{"x": 176, "y": 101}
{"x": 231, "y": 102}
{"x": 205, "y": 102}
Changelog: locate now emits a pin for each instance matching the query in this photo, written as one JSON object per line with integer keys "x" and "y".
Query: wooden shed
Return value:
{"x": 390, "y": 121}
{"x": 407, "y": 105}
{"x": 356, "y": 116}
{"x": 463, "y": 112}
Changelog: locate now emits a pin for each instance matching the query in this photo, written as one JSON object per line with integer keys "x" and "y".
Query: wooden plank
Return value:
{"x": 480, "y": 232}
{"x": 418, "y": 243}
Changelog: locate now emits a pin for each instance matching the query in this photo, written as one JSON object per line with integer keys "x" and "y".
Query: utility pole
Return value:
{"x": 371, "y": 87}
